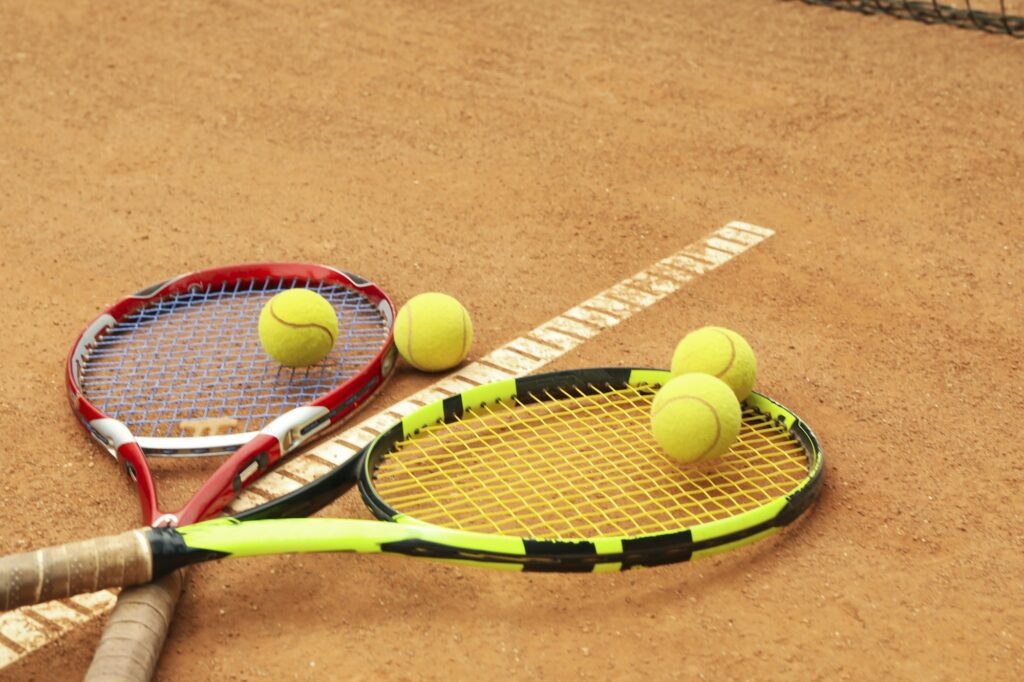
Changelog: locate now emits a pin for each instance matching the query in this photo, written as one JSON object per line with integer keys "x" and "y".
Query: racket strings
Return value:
{"x": 578, "y": 464}
{"x": 196, "y": 355}
{"x": 539, "y": 444}
{"x": 427, "y": 474}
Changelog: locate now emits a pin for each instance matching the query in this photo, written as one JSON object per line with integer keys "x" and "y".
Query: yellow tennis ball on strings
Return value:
{"x": 721, "y": 353}
{"x": 433, "y": 332}
{"x": 695, "y": 417}
{"x": 298, "y": 327}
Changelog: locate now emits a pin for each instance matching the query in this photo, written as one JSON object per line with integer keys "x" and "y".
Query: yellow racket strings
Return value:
{"x": 575, "y": 465}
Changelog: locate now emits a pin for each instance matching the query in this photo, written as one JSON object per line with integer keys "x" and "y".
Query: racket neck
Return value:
{"x": 231, "y": 477}
{"x": 132, "y": 461}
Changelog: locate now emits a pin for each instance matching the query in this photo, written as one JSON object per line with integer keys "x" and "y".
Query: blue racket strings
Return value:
{"x": 195, "y": 357}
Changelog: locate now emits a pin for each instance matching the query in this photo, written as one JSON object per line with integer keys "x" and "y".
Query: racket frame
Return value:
{"x": 582, "y": 554}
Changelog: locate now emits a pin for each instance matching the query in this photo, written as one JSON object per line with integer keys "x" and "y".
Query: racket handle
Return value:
{"x": 130, "y": 646}
{"x": 75, "y": 568}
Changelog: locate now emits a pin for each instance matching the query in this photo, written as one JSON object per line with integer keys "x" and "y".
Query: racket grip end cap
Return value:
{"x": 75, "y": 568}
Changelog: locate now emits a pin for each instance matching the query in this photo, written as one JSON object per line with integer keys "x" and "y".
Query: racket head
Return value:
{"x": 187, "y": 352}
{"x": 561, "y": 471}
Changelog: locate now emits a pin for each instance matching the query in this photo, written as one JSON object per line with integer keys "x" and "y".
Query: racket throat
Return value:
{"x": 171, "y": 553}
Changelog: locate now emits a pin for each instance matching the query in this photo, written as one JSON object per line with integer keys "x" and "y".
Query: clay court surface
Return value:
{"x": 523, "y": 157}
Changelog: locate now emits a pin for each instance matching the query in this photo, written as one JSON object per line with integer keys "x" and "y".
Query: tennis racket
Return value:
{"x": 176, "y": 370}
{"x": 552, "y": 472}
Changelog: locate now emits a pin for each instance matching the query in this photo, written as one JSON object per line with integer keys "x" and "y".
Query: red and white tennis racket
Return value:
{"x": 177, "y": 370}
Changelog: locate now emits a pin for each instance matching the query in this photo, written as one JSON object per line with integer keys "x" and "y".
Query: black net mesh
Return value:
{"x": 994, "y": 16}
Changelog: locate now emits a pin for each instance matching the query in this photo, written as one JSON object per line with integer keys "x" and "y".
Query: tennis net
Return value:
{"x": 993, "y": 16}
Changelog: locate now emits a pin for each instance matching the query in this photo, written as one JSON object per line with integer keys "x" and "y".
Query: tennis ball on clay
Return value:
{"x": 721, "y": 353}
{"x": 433, "y": 332}
{"x": 695, "y": 417}
{"x": 298, "y": 327}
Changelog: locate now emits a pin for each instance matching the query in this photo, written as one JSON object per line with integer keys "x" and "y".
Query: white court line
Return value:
{"x": 29, "y": 628}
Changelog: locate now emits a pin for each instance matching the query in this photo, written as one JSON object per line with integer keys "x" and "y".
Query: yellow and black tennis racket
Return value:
{"x": 552, "y": 472}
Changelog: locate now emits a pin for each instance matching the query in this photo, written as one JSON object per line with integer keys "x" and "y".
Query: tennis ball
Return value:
{"x": 298, "y": 327}
{"x": 695, "y": 417}
{"x": 433, "y": 332}
{"x": 719, "y": 352}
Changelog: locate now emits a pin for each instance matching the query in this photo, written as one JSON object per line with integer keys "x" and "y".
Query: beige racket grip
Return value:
{"x": 130, "y": 646}
{"x": 75, "y": 568}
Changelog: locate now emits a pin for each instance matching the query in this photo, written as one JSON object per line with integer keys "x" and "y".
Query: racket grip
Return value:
{"x": 75, "y": 568}
{"x": 130, "y": 646}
